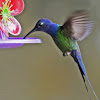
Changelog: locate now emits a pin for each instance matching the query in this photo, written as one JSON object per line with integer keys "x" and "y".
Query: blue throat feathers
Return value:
{"x": 53, "y": 30}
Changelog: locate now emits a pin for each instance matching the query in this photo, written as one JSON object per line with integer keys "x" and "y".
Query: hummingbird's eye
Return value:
{"x": 40, "y": 24}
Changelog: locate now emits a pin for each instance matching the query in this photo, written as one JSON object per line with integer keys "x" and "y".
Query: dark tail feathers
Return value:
{"x": 78, "y": 59}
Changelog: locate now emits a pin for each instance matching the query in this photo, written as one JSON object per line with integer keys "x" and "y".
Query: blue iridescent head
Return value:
{"x": 45, "y": 25}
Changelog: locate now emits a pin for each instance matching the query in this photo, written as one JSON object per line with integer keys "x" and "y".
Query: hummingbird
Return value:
{"x": 76, "y": 28}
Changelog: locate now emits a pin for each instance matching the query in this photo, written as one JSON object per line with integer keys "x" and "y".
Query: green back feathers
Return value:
{"x": 64, "y": 42}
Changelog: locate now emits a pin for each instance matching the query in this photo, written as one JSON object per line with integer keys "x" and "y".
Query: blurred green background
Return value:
{"x": 39, "y": 71}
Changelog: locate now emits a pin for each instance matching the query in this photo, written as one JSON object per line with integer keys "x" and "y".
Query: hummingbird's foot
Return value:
{"x": 66, "y": 53}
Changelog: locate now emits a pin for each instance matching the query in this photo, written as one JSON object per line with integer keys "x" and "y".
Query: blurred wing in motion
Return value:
{"x": 78, "y": 26}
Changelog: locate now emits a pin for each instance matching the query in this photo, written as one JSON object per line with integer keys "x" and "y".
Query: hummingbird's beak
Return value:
{"x": 33, "y": 30}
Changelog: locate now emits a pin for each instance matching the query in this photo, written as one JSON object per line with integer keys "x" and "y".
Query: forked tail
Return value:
{"x": 78, "y": 59}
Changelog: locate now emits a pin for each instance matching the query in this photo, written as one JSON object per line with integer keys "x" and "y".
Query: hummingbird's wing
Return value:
{"x": 78, "y": 26}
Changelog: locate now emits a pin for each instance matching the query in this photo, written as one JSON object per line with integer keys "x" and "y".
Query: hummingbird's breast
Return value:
{"x": 65, "y": 43}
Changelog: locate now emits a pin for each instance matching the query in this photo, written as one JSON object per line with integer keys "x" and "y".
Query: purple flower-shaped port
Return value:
{"x": 14, "y": 42}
